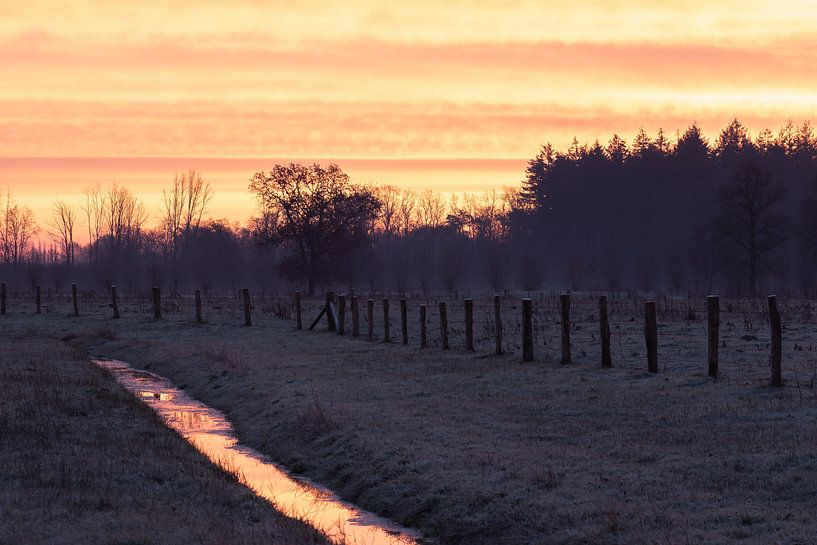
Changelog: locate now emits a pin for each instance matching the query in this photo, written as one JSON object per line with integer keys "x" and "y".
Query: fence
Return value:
{"x": 334, "y": 308}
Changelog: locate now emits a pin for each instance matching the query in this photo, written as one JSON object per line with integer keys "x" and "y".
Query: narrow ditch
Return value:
{"x": 212, "y": 434}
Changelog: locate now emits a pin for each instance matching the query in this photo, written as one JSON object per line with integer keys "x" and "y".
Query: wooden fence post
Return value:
{"x": 443, "y": 326}
{"x": 386, "y": 334}
{"x": 355, "y": 316}
{"x": 498, "y": 324}
{"x": 469, "y": 324}
{"x": 604, "y": 327}
{"x": 651, "y": 336}
{"x": 370, "y": 317}
{"x": 341, "y": 314}
{"x": 38, "y": 301}
{"x": 714, "y": 324}
{"x": 157, "y": 303}
{"x": 74, "y": 298}
{"x": 527, "y": 330}
{"x": 423, "y": 331}
{"x": 564, "y": 300}
{"x": 776, "y": 358}
{"x": 404, "y": 320}
{"x": 114, "y": 302}
{"x": 199, "y": 314}
{"x": 330, "y": 316}
{"x": 299, "y": 324}
{"x": 2, "y": 298}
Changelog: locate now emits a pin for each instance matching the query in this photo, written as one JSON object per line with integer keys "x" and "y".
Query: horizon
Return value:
{"x": 148, "y": 176}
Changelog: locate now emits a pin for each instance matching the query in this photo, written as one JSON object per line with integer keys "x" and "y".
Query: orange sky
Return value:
{"x": 366, "y": 80}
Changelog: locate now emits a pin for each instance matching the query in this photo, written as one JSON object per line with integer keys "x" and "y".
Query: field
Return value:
{"x": 84, "y": 462}
{"x": 477, "y": 448}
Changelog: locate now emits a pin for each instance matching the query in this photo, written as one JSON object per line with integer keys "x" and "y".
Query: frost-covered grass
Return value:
{"x": 81, "y": 461}
{"x": 474, "y": 448}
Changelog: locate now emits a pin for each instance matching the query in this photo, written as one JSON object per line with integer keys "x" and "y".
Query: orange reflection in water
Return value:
{"x": 212, "y": 434}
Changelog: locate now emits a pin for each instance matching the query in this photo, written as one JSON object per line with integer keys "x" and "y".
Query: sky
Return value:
{"x": 375, "y": 82}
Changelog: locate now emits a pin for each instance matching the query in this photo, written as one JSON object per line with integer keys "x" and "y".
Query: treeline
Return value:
{"x": 737, "y": 215}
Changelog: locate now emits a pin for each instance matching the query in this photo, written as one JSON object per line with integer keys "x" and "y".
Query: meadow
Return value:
{"x": 84, "y": 462}
{"x": 470, "y": 447}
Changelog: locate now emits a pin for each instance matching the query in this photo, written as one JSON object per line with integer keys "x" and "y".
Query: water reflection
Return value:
{"x": 210, "y": 432}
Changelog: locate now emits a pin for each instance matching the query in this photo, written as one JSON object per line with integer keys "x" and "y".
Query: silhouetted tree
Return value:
{"x": 749, "y": 220}
{"x": 322, "y": 216}
{"x": 61, "y": 229}
{"x": 183, "y": 207}
{"x": 17, "y": 229}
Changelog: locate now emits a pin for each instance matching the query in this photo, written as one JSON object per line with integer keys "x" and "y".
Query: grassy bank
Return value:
{"x": 472, "y": 448}
{"x": 83, "y": 462}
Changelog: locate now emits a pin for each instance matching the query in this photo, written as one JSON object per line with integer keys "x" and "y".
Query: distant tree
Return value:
{"x": 18, "y": 230}
{"x": 322, "y": 216}
{"x": 35, "y": 267}
{"x": 733, "y": 140}
{"x": 535, "y": 188}
{"x": 661, "y": 144}
{"x": 389, "y": 197}
{"x": 61, "y": 229}
{"x": 765, "y": 142}
{"x": 216, "y": 255}
{"x": 692, "y": 145}
{"x": 616, "y": 150}
{"x": 183, "y": 208}
{"x": 431, "y": 210}
{"x": 749, "y": 220}
{"x": 123, "y": 221}
{"x": 805, "y": 143}
{"x": 642, "y": 145}
{"x": 93, "y": 206}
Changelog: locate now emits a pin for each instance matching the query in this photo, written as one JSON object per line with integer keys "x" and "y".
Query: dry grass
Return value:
{"x": 83, "y": 462}
{"x": 472, "y": 448}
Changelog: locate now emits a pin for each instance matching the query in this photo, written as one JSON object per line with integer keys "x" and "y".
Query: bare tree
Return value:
{"x": 408, "y": 201}
{"x": 749, "y": 221}
{"x": 61, "y": 229}
{"x": 94, "y": 206}
{"x": 431, "y": 212}
{"x": 123, "y": 219}
{"x": 389, "y": 196}
{"x": 18, "y": 230}
{"x": 183, "y": 208}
